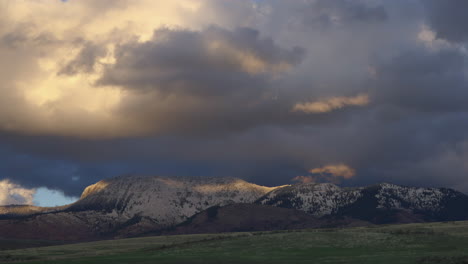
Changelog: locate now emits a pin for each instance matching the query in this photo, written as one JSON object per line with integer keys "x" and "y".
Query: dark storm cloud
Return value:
{"x": 423, "y": 80}
{"x": 218, "y": 100}
{"x": 204, "y": 81}
{"x": 415, "y": 149}
{"x": 70, "y": 165}
{"x": 448, "y": 19}
{"x": 342, "y": 12}
{"x": 211, "y": 62}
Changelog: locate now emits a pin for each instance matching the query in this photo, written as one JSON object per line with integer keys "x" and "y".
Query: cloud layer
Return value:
{"x": 262, "y": 90}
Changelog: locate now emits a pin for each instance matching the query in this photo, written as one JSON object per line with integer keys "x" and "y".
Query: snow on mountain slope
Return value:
{"x": 316, "y": 199}
{"x": 368, "y": 202}
{"x": 167, "y": 200}
{"x": 399, "y": 197}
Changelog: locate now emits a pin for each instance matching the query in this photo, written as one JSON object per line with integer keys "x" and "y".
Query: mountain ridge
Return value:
{"x": 135, "y": 205}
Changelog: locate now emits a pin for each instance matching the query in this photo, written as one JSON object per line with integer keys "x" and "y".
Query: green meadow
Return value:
{"x": 411, "y": 243}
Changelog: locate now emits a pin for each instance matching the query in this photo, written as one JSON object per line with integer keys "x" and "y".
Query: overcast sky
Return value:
{"x": 354, "y": 92}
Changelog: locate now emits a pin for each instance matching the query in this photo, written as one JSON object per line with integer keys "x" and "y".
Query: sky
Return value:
{"x": 353, "y": 92}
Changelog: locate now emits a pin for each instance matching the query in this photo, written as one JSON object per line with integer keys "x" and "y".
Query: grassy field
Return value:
{"x": 414, "y": 243}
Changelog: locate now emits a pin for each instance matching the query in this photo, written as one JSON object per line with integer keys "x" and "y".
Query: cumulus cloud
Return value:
{"x": 11, "y": 193}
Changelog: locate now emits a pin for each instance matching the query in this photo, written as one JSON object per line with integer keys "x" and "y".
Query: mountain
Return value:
{"x": 25, "y": 210}
{"x": 128, "y": 206}
{"x": 382, "y": 203}
{"x": 167, "y": 200}
{"x": 132, "y": 205}
{"x": 254, "y": 217}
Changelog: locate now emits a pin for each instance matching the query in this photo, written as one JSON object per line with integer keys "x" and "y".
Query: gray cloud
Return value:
{"x": 343, "y": 12}
{"x": 214, "y": 61}
{"x": 423, "y": 80}
{"x": 219, "y": 100}
{"x": 448, "y": 19}
{"x": 85, "y": 60}
{"x": 228, "y": 78}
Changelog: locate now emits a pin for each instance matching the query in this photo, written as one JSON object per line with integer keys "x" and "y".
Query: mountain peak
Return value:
{"x": 168, "y": 199}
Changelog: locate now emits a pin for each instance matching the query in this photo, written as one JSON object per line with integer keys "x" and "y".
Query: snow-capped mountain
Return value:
{"x": 316, "y": 199}
{"x": 378, "y": 203}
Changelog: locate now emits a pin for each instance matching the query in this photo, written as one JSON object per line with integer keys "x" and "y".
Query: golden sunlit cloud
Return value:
{"x": 56, "y": 52}
{"x": 331, "y": 173}
{"x": 40, "y": 38}
{"x": 336, "y": 170}
{"x": 331, "y": 104}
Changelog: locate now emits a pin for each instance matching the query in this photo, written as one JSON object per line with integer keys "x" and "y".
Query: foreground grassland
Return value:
{"x": 414, "y": 243}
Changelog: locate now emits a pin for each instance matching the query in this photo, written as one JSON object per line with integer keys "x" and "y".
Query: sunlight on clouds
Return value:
{"x": 428, "y": 37}
{"x": 332, "y": 173}
{"x": 49, "y": 34}
{"x": 14, "y": 194}
{"x": 248, "y": 61}
{"x": 336, "y": 170}
{"x": 95, "y": 19}
{"x": 58, "y": 51}
{"x": 11, "y": 193}
{"x": 331, "y": 104}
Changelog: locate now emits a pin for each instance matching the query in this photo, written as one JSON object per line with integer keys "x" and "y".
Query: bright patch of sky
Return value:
{"x": 45, "y": 197}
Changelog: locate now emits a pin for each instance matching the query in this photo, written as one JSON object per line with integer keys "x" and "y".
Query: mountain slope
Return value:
{"x": 246, "y": 217}
{"x": 132, "y": 205}
{"x": 254, "y": 217}
{"x": 382, "y": 203}
{"x": 316, "y": 199}
{"x": 167, "y": 200}
{"x": 127, "y": 206}
{"x": 9, "y": 211}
